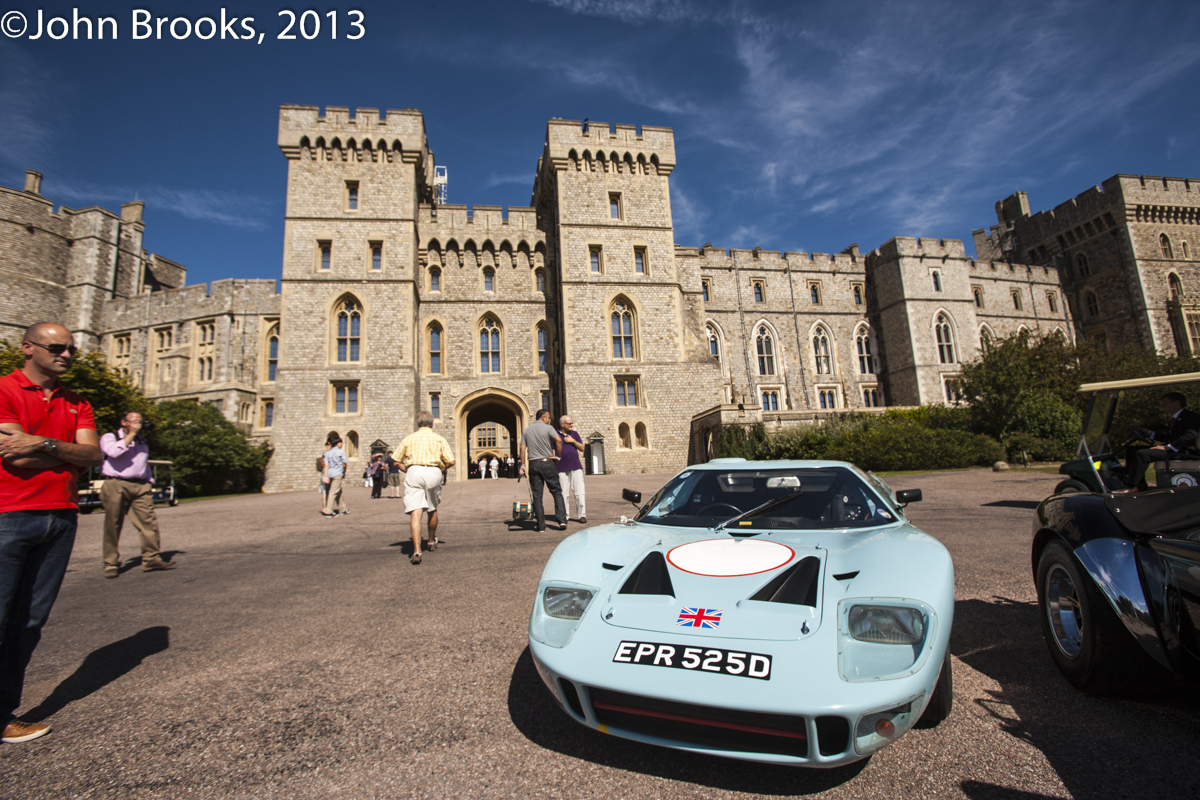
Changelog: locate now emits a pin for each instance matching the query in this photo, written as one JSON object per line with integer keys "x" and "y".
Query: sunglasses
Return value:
{"x": 57, "y": 349}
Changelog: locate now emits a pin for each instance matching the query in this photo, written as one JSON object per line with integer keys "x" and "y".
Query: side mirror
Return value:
{"x": 632, "y": 496}
{"x": 906, "y": 496}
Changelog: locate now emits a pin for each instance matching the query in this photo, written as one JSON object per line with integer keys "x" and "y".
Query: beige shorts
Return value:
{"x": 422, "y": 488}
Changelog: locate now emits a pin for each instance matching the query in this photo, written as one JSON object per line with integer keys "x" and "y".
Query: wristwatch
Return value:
{"x": 50, "y": 446}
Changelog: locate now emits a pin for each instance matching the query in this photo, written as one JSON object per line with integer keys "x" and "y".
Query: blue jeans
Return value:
{"x": 35, "y": 547}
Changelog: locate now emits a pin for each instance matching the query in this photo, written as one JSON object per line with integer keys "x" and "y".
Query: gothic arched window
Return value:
{"x": 622, "y": 330}
{"x": 714, "y": 343}
{"x": 1081, "y": 265}
{"x": 1176, "y": 286}
{"x": 349, "y": 330}
{"x": 766, "y": 351}
{"x": 821, "y": 357}
{"x": 489, "y": 346}
{"x": 489, "y": 280}
{"x": 945, "y": 339}
{"x": 1093, "y": 304}
{"x": 866, "y": 361}
{"x": 539, "y": 280}
{"x": 273, "y": 353}
{"x": 542, "y": 346}
{"x": 435, "y": 349}
{"x": 435, "y": 279}
{"x": 1164, "y": 241}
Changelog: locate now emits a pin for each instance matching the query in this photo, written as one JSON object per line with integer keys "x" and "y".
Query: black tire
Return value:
{"x": 1087, "y": 642}
{"x": 1071, "y": 487}
{"x": 942, "y": 701}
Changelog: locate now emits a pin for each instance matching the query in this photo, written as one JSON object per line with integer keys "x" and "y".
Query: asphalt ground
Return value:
{"x": 293, "y": 656}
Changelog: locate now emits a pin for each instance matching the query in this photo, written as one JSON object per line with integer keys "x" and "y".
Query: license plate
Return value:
{"x": 700, "y": 659}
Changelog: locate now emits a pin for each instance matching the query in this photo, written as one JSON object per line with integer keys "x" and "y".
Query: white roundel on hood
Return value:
{"x": 729, "y": 558}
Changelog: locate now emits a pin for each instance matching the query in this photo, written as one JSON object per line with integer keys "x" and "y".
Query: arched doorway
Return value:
{"x": 485, "y": 408}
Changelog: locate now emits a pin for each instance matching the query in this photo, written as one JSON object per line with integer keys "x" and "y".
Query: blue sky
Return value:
{"x": 798, "y": 126}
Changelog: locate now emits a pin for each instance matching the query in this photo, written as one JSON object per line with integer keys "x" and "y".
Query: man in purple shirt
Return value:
{"x": 128, "y": 489}
{"x": 569, "y": 467}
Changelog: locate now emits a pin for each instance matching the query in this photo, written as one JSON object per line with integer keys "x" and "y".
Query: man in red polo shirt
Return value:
{"x": 46, "y": 434}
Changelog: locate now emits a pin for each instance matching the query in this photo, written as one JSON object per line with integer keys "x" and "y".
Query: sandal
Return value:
{"x": 415, "y": 559}
{"x": 433, "y": 543}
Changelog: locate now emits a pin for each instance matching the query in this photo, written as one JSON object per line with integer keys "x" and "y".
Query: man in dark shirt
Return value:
{"x": 541, "y": 447}
{"x": 1183, "y": 426}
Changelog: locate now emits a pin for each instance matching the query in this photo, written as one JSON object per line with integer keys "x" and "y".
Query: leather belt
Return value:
{"x": 540, "y": 459}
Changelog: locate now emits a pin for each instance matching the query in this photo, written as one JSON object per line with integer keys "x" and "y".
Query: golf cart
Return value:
{"x": 1098, "y": 462}
{"x": 91, "y": 481}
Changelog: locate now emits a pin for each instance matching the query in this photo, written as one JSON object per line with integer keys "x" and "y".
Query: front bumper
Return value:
{"x": 805, "y": 715}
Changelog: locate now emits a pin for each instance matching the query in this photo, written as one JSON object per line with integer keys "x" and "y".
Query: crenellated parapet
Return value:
{"x": 599, "y": 147}
{"x": 304, "y": 132}
{"x": 480, "y": 236}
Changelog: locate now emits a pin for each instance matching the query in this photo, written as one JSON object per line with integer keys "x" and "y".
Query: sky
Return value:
{"x": 799, "y": 126}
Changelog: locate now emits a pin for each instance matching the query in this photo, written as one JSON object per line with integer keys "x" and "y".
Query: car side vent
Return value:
{"x": 650, "y": 577}
{"x": 796, "y": 585}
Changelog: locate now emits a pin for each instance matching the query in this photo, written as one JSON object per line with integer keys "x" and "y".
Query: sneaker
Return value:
{"x": 18, "y": 731}
{"x": 112, "y": 572}
{"x": 342, "y": 513}
{"x": 158, "y": 564}
{"x": 328, "y": 516}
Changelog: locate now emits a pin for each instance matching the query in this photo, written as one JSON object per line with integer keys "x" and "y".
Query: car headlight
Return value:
{"x": 883, "y": 638}
{"x": 562, "y": 603}
{"x": 887, "y": 624}
{"x": 557, "y": 612}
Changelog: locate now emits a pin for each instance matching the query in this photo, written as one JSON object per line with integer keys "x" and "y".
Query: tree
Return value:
{"x": 1024, "y": 384}
{"x": 211, "y": 455}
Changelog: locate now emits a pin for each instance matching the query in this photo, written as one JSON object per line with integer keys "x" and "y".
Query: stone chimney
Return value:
{"x": 33, "y": 181}
{"x": 132, "y": 212}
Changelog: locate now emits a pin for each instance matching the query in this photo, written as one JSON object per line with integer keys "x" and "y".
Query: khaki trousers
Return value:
{"x": 333, "y": 498}
{"x": 137, "y": 500}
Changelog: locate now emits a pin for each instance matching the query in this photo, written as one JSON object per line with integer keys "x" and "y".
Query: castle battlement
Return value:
{"x": 399, "y": 129}
{"x": 908, "y": 247}
{"x": 453, "y": 215}
{"x": 568, "y": 140}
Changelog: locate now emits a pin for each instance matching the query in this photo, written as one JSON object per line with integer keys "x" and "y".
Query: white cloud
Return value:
{"x": 27, "y": 95}
{"x": 228, "y": 209}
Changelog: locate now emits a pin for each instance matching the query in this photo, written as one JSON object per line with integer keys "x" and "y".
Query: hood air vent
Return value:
{"x": 797, "y": 585}
{"x": 650, "y": 577}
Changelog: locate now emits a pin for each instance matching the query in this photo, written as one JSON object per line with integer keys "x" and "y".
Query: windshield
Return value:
{"x": 829, "y": 497}
{"x": 1099, "y": 419}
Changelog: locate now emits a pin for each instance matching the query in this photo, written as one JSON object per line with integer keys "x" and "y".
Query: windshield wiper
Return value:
{"x": 770, "y": 505}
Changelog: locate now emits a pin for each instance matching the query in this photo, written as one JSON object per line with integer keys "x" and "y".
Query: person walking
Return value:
{"x": 322, "y": 482}
{"x": 423, "y": 455}
{"x": 46, "y": 434}
{"x": 541, "y": 447}
{"x": 570, "y": 469}
{"x": 378, "y": 471}
{"x": 494, "y": 467}
{"x": 393, "y": 477}
{"x": 335, "y": 476}
{"x": 129, "y": 489}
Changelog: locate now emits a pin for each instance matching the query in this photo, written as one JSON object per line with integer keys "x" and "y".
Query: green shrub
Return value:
{"x": 1036, "y": 449}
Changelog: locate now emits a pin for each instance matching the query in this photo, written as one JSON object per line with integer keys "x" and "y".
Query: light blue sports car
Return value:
{"x": 778, "y": 611}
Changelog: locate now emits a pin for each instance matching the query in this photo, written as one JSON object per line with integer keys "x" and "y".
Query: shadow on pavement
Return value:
{"x": 977, "y": 790}
{"x": 1029, "y": 504}
{"x": 100, "y": 668}
{"x": 1100, "y": 747}
{"x": 542, "y": 722}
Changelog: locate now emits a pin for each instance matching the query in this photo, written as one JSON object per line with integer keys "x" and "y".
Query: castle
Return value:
{"x": 391, "y": 302}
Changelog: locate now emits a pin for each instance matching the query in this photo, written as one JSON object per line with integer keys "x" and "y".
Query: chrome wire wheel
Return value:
{"x": 1063, "y": 610}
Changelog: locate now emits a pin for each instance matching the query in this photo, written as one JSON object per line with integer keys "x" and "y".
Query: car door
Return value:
{"x": 1182, "y": 560}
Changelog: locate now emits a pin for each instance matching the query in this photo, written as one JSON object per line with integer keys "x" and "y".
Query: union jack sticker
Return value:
{"x": 699, "y": 618}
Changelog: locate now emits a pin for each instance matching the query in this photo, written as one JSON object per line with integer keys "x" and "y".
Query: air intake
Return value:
{"x": 650, "y": 577}
{"x": 796, "y": 585}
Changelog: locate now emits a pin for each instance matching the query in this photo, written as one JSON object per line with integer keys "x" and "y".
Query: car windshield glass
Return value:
{"x": 1095, "y": 428}
{"x": 830, "y": 497}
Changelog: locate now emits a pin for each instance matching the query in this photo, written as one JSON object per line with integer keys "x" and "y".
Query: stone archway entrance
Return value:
{"x": 495, "y": 406}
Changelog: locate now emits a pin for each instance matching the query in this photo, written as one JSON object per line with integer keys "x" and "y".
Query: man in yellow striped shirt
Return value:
{"x": 422, "y": 456}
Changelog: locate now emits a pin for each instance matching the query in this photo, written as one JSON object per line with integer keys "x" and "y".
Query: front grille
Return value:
{"x": 702, "y": 726}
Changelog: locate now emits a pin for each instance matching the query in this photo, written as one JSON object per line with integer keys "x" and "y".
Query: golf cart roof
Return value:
{"x": 1142, "y": 383}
